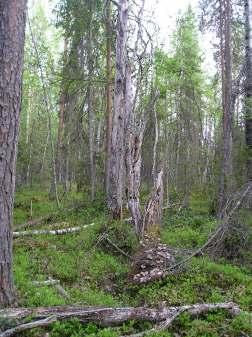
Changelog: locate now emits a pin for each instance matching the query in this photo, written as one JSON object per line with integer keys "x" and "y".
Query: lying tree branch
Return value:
{"x": 117, "y": 248}
{"x": 106, "y": 316}
{"x": 223, "y": 226}
{"x": 52, "y": 232}
{"x": 232, "y": 206}
{"x": 50, "y": 282}
{"x": 28, "y": 326}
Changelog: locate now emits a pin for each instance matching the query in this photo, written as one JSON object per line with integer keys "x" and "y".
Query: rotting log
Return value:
{"x": 44, "y": 316}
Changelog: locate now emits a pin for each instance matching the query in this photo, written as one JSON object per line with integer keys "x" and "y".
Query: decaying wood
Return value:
{"x": 153, "y": 208}
{"x": 116, "y": 162}
{"x": 151, "y": 261}
{"x": 51, "y": 232}
{"x": 28, "y": 326}
{"x": 133, "y": 162}
{"x": 106, "y": 316}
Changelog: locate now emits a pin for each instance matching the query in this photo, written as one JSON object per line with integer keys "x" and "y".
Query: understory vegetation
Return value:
{"x": 94, "y": 273}
{"x": 125, "y": 168}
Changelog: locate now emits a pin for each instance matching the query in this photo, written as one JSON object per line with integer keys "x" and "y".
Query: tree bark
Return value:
{"x": 248, "y": 87}
{"x": 116, "y": 162}
{"x": 90, "y": 105}
{"x": 107, "y": 316}
{"x": 51, "y": 232}
{"x": 61, "y": 123}
{"x": 108, "y": 91}
{"x": 12, "y": 33}
{"x": 226, "y": 165}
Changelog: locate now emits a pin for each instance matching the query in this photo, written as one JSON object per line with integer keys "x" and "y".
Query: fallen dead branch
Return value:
{"x": 28, "y": 326}
{"x": 50, "y": 282}
{"x": 106, "y": 316}
{"x": 55, "y": 283}
{"x": 51, "y": 232}
{"x": 107, "y": 239}
{"x": 217, "y": 237}
{"x": 214, "y": 241}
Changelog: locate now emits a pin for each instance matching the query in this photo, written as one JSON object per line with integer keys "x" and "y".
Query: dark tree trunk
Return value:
{"x": 90, "y": 103}
{"x": 226, "y": 166}
{"x": 109, "y": 111}
{"x": 248, "y": 87}
{"x": 12, "y": 30}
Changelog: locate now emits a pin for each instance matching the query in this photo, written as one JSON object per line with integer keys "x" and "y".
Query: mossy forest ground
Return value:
{"x": 94, "y": 273}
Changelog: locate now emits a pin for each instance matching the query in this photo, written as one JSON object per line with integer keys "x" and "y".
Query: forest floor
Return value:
{"x": 94, "y": 273}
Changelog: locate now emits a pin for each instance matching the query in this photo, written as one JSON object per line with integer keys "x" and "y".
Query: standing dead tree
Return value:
{"x": 116, "y": 162}
{"x": 135, "y": 125}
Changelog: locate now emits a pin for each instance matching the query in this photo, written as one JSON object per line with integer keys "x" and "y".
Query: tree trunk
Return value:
{"x": 154, "y": 206}
{"x": 248, "y": 87}
{"x": 43, "y": 317}
{"x": 12, "y": 31}
{"x": 226, "y": 166}
{"x": 90, "y": 103}
{"x": 61, "y": 124}
{"x": 108, "y": 92}
{"x": 116, "y": 162}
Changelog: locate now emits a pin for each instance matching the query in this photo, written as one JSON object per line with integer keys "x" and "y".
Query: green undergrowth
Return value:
{"x": 94, "y": 273}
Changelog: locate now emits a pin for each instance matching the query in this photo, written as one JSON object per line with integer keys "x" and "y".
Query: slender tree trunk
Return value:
{"x": 12, "y": 31}
{"x": 108, "y": 92}
{"x": 116, "y": 162}
{"x": 61, "y": 124}
{"x": 53, "y": 188}
{"x": 226, "y": 166}
{"x": 154, "y": 168}
{"x": 248, "y": 86}
{"x": 90, "y": 101}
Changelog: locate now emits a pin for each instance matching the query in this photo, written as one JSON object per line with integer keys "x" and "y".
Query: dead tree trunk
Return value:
{"x": 133, "y": 161}
{"x": 154, "y": 206}
{"x": 133, "y": 158}
{"x": 12, "y": 31}
{"x": 165, "y": 316}
{"x": 116, "y": 161}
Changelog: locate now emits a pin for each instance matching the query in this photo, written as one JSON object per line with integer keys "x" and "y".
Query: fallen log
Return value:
{"x": 51, "y": 232}
{"x": 104, "y": 317}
